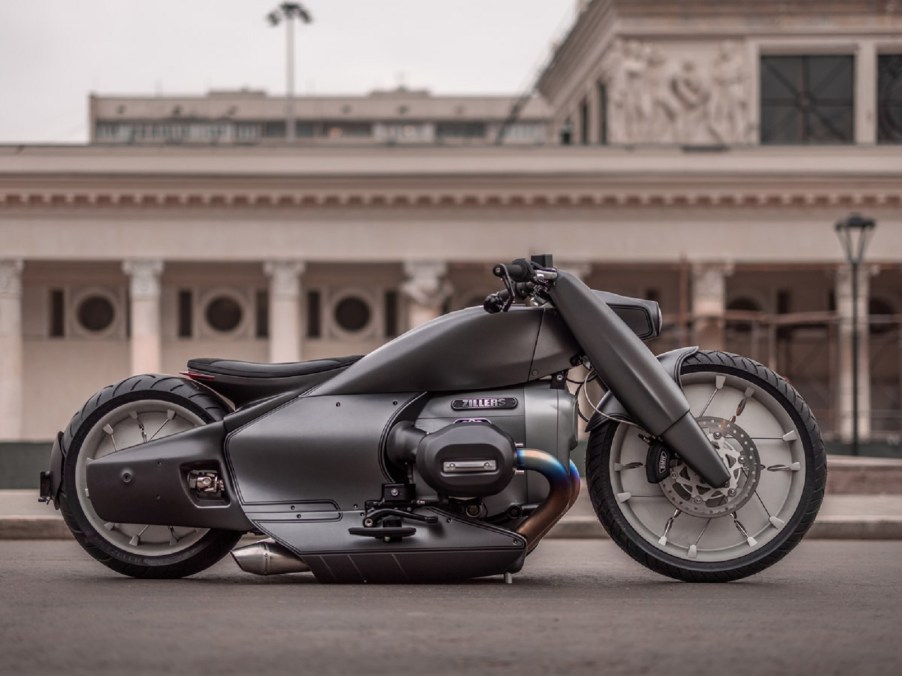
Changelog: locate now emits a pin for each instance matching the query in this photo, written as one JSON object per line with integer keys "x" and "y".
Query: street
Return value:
{"x": 578, "y": 607}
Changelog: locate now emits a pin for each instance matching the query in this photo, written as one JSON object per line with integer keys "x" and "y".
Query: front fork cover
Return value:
{"x": 626, "y": 365}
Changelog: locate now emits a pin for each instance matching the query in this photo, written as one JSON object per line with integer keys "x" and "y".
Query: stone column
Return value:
{"x": 11, "y": 357}
{"x": 426, "y": 289}
{"x": 866, "y": 93}
{"x": 144, "y": 297}
{"x": 595, "y": 114}
{"x": 284, "y": 310}
{"x": 843, "y": 415}
{"x": 709, "y": 304}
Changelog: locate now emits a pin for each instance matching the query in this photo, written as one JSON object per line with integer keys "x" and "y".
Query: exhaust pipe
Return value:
{"x": 268, "y": 558}
{"x": 564, "y": 488}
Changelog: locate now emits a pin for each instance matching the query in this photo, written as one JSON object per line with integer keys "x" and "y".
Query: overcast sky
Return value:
{"x": 54, "y": 53}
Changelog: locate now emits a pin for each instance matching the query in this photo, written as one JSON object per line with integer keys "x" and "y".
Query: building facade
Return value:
{"x": 697, "y": 153}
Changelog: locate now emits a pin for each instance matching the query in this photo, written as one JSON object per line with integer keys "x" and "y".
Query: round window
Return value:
{"x": 352, "y": 314}
{"x": 96, "y": 313}
{"x": 224, "y": 313}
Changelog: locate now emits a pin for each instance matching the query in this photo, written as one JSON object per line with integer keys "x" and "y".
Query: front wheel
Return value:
{"x": 683, "y": 528}
{"x": 135, "y": 411}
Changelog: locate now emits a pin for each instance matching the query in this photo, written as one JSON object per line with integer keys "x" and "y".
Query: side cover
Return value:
{"x": 303, "y": 473}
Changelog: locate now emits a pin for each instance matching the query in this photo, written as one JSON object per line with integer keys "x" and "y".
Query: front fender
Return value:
{"x": 611, "y": 408}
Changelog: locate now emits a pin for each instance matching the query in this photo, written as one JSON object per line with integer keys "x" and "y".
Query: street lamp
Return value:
{"x": 854, "y": 232}
{"x": 288, "y": 12}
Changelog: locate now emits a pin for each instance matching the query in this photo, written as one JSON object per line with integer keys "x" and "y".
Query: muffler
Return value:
{"x": 268, "y": 558}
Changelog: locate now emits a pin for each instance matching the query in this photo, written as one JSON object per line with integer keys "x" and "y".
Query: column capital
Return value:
{"x": 11, "y": 277}
{"x": 426, "y": 283}
{"x": 145, "y": 277}
{"x": 708, "y": 279}
{"x": 284, "y": 275}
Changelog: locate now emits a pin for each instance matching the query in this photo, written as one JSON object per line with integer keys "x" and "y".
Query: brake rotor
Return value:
{"x": 689, "y": 493}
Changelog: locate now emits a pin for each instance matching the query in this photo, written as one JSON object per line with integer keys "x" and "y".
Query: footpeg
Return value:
{"x": 387, "y": 533}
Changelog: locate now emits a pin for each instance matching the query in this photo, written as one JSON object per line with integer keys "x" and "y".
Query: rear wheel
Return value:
{"x": 683, "y": 528}
{"x": 132, "y": 412}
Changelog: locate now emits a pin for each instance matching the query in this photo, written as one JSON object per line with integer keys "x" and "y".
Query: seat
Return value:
{"x": 247, "y": 369}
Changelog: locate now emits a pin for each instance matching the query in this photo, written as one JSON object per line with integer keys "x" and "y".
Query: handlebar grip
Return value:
{"x": 519, "y": 270}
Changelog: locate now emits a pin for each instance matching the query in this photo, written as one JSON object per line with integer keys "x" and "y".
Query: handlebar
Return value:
{"x": 522, "y": 280}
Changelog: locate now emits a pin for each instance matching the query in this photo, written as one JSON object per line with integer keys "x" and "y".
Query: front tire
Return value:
{"x": 681, "y": 527}
{"x": 131, "y": 412}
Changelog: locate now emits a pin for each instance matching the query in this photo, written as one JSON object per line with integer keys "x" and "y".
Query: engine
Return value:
{"x": 463, "y": 446}
{"x": 466, "y": 459}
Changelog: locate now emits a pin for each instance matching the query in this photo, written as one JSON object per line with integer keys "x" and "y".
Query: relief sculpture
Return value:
{"x": 653, "y": 99}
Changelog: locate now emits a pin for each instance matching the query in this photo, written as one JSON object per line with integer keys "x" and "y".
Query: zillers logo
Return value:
{"x": 486, "y": 403}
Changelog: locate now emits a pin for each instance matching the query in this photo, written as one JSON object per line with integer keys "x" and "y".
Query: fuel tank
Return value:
{"x": 473, "y": 350}
{"x": 465, "y": 350}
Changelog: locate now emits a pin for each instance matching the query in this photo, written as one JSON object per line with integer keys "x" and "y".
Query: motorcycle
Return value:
{"x": 445, "y": 454}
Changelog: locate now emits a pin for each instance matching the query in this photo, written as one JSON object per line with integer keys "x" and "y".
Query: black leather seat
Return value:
{"x": 248, "y": 369}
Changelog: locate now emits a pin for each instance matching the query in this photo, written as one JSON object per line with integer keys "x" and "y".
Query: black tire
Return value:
{"x": 661, "y": 558}
{"x": 203, "y": 553}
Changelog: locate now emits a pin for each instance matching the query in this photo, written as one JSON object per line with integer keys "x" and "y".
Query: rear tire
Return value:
{"x": 684, "y": 529}
{"x": 122, "y": 415}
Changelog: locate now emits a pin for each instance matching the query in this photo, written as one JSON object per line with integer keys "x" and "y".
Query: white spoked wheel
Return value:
{"x": 133, "y": 412}
{"x": 131, "y": 424}
{"x": 684, "y": 528}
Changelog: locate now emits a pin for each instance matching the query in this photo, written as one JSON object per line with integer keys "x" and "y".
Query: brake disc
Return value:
{"x": 689, "y": 493}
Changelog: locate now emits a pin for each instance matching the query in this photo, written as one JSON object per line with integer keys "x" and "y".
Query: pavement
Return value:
{"x": 578, "y": 607}
{"x": 863, "y": 501}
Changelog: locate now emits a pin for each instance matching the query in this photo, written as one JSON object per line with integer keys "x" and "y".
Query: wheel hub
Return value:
{"x": 689, "y": 493}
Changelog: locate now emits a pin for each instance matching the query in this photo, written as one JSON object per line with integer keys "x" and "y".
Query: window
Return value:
{"x": 352, "y": 314}
{"x": 807, "y": 99}
{"x": 602, "y": 114}
{"x": 57, "y": 313}
{"x": 336, "y": 130}
{"x": 262, "y": 328}
{"x": 314, "y": 329}
{"x": 186, "y": 314}
{"x": 224, "y": 314}
{"x": 273, "y": 130}
{"x": 584, "y": 122}
{"x": 95, "y": 313}
{"x": 889, "y": 98}
{"x": 566, "y": 133}
{"x": 391, "y": 314}
{"x": 460, "y": 130}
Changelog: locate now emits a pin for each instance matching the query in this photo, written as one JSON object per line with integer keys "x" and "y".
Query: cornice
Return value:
{"x": 882, "y": 194}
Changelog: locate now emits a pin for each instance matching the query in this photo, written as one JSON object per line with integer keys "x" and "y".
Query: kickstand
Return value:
{"x": 508, "y": 578}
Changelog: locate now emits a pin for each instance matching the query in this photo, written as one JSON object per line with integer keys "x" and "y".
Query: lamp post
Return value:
{"x": 854, "y": 232}
{"x": 288, "y": 12}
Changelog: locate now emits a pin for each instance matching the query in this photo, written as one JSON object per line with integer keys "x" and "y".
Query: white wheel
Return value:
{"x": 684, "y": 528}
{"x": 132, "y": 412}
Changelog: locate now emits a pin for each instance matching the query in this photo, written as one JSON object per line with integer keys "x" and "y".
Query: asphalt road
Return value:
{"x": 578, "y": 607}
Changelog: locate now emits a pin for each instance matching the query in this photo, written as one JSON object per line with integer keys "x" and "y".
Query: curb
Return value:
{"x": 574, "y": 527}
{"x": 825, "y": 528}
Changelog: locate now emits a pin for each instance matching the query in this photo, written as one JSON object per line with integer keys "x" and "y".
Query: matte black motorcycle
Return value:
{"x": 445, "y": 454}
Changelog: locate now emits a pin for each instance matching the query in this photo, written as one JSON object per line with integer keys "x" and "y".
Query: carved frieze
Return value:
{"x": 654, "y": 97}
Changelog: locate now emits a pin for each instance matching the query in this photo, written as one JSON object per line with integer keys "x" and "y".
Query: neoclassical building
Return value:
{"x": 694, "y": 152}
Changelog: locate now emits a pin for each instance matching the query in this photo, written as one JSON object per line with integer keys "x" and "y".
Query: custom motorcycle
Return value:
{"x": 445, "y": 454}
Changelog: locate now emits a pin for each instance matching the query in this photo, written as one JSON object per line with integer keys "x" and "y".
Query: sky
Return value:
{"x": 55, "y": 53}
